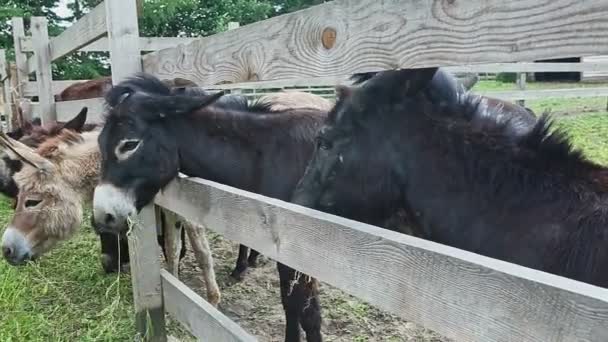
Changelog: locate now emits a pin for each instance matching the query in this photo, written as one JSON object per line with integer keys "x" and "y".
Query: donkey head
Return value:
{"x": 51, "y": 184}
{"x": 138, "y": 154}
{"x": 346, "y": 153}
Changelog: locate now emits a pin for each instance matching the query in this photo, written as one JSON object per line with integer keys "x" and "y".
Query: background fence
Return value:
{"x": 458, "y": 294}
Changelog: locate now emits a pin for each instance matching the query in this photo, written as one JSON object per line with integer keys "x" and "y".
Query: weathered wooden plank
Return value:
{"x": 145, "y": 43}
{"x": 145, "y": 277}
{"x": 546, "y": 93}
{"x": 87, "y": 29}
{"x": 595, "y": 75}
{"x": 31, "y": 88}
{"x": 343, "y": 37}
{"x": 459, "y": 294}
{"x": 44, "y": 76}
{"x": 123, "y": 35}
{"x": 66, "y": 110}
{"x": 20, "y": 56}
{"x": 6, "y": 90}
{"x": 200, "y": 318}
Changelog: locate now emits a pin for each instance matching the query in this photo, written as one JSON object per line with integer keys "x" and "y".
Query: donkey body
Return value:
{"x": 152, "y": 133}
{"x": 469, "y": 180}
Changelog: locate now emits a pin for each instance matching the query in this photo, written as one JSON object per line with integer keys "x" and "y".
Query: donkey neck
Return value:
{"x": 247, "y": 150}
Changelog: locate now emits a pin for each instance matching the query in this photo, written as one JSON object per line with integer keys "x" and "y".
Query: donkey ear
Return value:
{"x": 78, "y": 121}
{"x": 180, "y": 104}
{"x": 19, "y": 151}
{"x": 343, "y": 92}
{"x": 415, "y": 80}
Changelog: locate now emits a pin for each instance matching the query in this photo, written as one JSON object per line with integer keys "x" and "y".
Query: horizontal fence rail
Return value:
{"x": 86, "y": 30}
{"x": 102, "y": 44}
{"x": 342, "y": 37}
{"x": 200, "y": 318}
{"x": 456, "y": 293}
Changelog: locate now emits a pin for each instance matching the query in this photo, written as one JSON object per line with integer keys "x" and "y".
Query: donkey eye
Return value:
{"x": 129, "y": 145}
{"x": 32, "y": 203}
{"x": 323, "y": 144}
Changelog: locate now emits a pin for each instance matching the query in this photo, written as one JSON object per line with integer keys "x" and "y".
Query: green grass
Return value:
{"x": 66, "y": 296}
{"x": 559, "y": 106}
{"x": 589, "y": 132}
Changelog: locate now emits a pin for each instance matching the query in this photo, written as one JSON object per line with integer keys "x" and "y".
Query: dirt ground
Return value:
{"x": 255, "y": 303}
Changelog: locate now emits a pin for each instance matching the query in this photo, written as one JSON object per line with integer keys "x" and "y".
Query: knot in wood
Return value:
{"x": 328, "y": 38}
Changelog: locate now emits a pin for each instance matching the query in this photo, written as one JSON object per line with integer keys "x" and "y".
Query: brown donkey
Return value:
{"x": 54, "y": 183}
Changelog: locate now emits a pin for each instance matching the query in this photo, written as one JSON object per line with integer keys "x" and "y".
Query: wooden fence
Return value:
{"x": 458, "y": 294}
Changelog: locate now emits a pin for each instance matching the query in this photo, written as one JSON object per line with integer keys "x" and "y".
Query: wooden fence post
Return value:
{"x": 231, "y": 26}
{"x": 44, "y": 77}
{"x": 19, "y": 115}
{"x": 123, "y": 40}
{"x": 20, "y": 56}
{"x": 145, "y": 276}
{"x": 6, "y": 90}
{"x": 521, "y": 85}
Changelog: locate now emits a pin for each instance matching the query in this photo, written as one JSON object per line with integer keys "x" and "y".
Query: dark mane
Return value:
{"x": 151, "y": 85}
{"x": 542, "y": 148}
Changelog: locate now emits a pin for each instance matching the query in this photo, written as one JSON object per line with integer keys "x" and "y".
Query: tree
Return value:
{"x": 288, "y": 6}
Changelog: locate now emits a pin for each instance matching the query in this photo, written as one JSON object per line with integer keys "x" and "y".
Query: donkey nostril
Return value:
{"x": 109, "y": 219}
{"x": 7, "y": 252}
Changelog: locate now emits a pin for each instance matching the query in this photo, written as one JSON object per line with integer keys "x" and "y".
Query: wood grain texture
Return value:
{"x": 376, "y": 35}
{"x": 44, "y": 77}
{"x": 87, "y": 29}
{"x": 200, "y": 318}
{"x": 123, "y": 36}
{"x": 145, "y": 44}
{"x": 459, "y": 294}
{"x": 145, "y": 277}
{"x": 20, "y": 56}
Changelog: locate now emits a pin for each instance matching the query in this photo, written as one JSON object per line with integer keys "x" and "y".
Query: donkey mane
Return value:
{"x": 153, "y": 86}
{"x": 232, "y": 118}
{"x": 543, "y": 148}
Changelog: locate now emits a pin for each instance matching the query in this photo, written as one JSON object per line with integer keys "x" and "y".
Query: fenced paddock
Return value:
{"x": 459, "y": 294}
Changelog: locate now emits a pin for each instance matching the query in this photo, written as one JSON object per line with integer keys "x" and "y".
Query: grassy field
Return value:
{"x": 66, "y": 297}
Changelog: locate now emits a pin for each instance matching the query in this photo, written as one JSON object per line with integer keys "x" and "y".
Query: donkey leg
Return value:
{"x": 310, "y": 318}
{"x": 292, "y": 314}
{"x": 300, "y": 297}
{"x": 110, "y": 260}
{"x": 241, "y": 263}
{"x": 200, "y": 246}
{"x": 252, "y": 261}
{"x": 172, "y": 239}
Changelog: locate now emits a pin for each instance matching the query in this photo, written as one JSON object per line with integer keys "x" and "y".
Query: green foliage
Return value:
{"x": 288, "y": 6}
{"x": 506, "y": 77}
{"x": 192, "y": 18}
